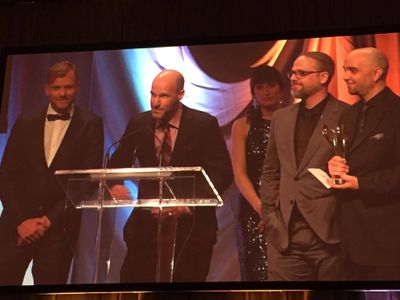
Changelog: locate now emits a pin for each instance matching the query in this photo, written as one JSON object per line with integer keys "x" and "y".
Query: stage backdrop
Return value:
{"x": 116, "y": 83}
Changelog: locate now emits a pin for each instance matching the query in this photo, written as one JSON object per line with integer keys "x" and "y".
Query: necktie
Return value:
{"x": 53, "y": 117}
{"x": 361, "y": 123}
{"x": 166, "y": 146}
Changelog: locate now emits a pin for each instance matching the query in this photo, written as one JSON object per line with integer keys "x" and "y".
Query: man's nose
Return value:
{"x": 346, "y": 75}
{"x": 293, "y": 76}
{"x": 155, "y": 100}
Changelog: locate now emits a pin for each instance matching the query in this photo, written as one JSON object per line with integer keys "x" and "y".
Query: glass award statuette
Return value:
{"x": 339, "y": 141}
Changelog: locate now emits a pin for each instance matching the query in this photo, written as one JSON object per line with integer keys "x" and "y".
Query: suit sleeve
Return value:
{"x": 94, "y": 152}
{"x": 216, "y": 158}
{"x": 270, "y": 176}
{"x": 11, "y": 167}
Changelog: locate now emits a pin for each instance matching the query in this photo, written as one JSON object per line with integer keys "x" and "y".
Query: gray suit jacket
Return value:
{"x": 283, "y": 183}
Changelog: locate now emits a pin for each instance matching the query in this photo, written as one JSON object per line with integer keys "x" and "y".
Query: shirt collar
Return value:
{"x": 316, "y": 110}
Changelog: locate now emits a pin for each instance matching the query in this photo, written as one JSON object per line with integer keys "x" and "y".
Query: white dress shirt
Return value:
{"x": 54, "y": 132}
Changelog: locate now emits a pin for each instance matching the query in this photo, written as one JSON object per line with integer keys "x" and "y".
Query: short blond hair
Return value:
{"x": 60, "y": 69}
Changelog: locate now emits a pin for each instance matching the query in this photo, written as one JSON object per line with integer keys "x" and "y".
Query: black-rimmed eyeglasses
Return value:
{"x": 301, "y": 73}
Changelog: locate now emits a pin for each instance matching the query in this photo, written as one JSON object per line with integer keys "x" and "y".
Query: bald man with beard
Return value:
{"x": 196, "y": 140}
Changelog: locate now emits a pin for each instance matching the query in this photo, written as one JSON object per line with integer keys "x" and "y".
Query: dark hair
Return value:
{"x": 252, "y": 113}
{"x": 324, "y": 61}
{"x": 264, "y": 73}
{"x": 60, "y": 69}
{"x": 261, "y": 74}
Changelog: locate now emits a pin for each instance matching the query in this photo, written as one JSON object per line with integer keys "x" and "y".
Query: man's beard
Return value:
{"x": 299, "y": 93}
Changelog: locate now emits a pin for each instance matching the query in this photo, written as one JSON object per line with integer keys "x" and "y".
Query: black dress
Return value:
{"x": 252, "y": 243}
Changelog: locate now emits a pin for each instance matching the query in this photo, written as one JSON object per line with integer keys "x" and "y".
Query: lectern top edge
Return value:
{"x": 127, "y": 170}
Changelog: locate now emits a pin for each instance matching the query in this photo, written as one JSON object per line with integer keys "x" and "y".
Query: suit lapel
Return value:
{"x": 290, "y": 127}
{"x": 38, "y": 128}
{"x": 373, "y": 121}
{"x": 329, "y": 117}
{"x": 149, "y": 141}
{"x": 182, "y": 137}
{"x": 350, "y": 125}
{"x": 145, "y": 141}
{"x": 68, "y": 144}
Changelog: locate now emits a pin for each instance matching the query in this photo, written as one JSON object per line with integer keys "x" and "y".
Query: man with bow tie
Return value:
{"x": 35, "y": 224}
{"x": 370, "y": 196}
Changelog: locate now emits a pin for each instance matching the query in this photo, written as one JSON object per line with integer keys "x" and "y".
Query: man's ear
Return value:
{"x": 181, "y": 93}
{"x": 378, "y": 72}
{"x": 324, "y": 77}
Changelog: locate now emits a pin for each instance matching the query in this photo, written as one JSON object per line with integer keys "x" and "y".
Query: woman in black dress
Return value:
{"x": 249, "y": 142}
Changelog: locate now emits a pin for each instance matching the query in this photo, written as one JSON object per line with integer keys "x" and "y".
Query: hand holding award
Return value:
{"x": 339, "y": 141}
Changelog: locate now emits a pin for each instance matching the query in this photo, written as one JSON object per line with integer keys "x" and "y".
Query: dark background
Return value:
{"x": 42, "y": 23}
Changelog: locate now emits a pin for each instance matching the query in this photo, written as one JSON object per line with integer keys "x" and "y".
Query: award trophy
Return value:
{"x": 339, "y": 141}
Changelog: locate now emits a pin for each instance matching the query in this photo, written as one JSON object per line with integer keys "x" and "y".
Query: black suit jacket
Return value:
{"x": 199, "y": 143}
{"x": 29, "y": 187}
{"x": 369, "y": 217}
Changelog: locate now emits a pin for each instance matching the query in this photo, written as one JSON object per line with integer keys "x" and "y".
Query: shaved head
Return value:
{"x": 374, "y": 56}
{"x": 365, "y": 71}
{"x": 174, "y": 77}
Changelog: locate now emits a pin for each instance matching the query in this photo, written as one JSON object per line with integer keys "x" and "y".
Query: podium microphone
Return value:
{"x": 107, "y": 156}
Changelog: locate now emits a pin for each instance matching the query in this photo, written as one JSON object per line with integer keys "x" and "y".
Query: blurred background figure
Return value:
{"x": 250, "y": 135}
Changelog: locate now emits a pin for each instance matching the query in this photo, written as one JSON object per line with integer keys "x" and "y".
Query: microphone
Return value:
{"x": 107, "y": 156}
{"x": 160, "y": 157}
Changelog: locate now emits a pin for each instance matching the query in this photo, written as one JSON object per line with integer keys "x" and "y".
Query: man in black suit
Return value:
{"x": 32, "y": 225}
{"x": 370, "y": 197}
{"x": 196, "y": 140}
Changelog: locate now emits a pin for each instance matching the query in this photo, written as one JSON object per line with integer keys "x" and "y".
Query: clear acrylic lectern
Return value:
{"x": 164, "y": 187}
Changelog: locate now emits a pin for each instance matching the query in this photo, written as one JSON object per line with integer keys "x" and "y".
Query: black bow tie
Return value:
{"x": 53, "y": 117}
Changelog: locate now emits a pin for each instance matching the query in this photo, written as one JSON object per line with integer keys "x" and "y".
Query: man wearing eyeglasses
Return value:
{"x": 299, "y": 212}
